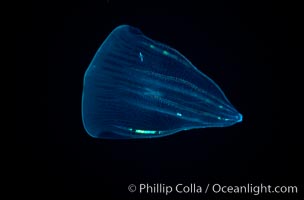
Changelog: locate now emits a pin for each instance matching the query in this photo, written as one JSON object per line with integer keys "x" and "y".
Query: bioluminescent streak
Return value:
{"x": 136, "y": 87}
{"x": 141, "y": 57}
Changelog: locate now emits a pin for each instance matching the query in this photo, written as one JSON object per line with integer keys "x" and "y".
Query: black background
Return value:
{"x": 231, "y": 42}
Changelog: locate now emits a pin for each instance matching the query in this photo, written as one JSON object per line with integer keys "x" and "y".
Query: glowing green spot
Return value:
{"x": 220, "y": 106}
{"x": 219, "y": 118}
{"x": 151, "y": 46}
{"x": 165, "y": 52}
{"x": 145, "y": 131}
{"x": 130, "y": 129}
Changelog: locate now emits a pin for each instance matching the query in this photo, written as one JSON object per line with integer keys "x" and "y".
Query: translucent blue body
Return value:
{"x": 136, "y": 87}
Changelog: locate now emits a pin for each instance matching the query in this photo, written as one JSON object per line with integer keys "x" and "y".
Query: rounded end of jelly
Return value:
{"x": 239, "y": 118}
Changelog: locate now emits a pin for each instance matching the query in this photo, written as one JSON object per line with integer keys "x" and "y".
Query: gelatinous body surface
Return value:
{"x": 136, "y": 87}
